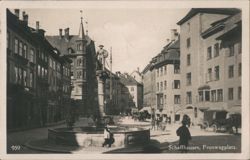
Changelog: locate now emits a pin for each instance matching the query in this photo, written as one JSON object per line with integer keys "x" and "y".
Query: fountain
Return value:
{"x": 93, "y": 135}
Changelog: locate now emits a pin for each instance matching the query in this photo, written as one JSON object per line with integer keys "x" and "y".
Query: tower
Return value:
{"x": 80, "y": 69}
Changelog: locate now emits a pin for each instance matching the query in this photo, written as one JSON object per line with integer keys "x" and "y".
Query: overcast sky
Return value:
{"x": 136, "y": 35}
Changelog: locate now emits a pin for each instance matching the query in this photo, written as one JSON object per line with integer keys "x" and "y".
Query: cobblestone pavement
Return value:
{"x": 161, "y": 141}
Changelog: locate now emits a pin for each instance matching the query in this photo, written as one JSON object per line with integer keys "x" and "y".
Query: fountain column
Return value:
{"x": 102, "y": 75}
{"x": 101, "y": 78}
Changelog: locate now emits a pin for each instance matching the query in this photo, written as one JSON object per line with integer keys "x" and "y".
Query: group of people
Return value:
{"x": 160, "y": 122}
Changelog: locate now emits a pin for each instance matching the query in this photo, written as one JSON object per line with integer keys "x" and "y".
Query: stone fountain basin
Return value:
{"x": 93, "y": 136}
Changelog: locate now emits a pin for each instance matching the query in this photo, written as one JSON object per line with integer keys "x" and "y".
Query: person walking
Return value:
{"x": 108, "y": 137}
{"x": 185, "y": 136}
{"x": 153, "y": 123}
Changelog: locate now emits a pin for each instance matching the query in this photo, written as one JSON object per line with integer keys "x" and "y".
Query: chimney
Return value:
{"x": 66, "y": 30}
{"x": 168, "y": 40}
{"x": 17, "y": 13}
{"x": 174, "y": 34}
{"x": 60, "y": 32}
{"x": 37, "y": 26}
{"x": 25, "y": 18}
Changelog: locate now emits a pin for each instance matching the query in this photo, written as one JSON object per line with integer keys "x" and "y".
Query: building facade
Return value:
{"x": 149, "y": 87}
{"x": 204, "y": 68}
{"x": 81, "y": 50}
{"x": 28, "y": 75}
{"x": 134, "y": 91}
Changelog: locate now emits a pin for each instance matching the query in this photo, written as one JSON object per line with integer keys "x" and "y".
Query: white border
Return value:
{"x": 244, "y": 5}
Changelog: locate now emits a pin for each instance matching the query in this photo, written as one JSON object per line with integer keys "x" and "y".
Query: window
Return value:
{"x": 79, "y": 47}
{"x": 165, "y": 70}
{"x": 25, "y": 51}
{"x": 45, "y": 72}
{"x": 176, "y": 69}
{"x": 177, "y": 99}
{"x": 216, "y": 50}
{"x": 42, "y": 70}
{"x": 31, "y": 55}
{"x": 230, "y": 93}
{"x": 231, "y": 71}
{"x": 157, "y": 72}
{"x": 188, "y": 59}
{"x": 20, "y": 76}
{"x": 239, "y": 93}
{"x": 213, "y": 95}
{"x": 165, "y": 99}
{"x": 31, "y": 79}
{"x": 54, "y": 65}
{"x": 188, "y": 78}
{"x": 161, "y": 71}
{"x": 220, "y": 95}
{"x": 189, "y": 98}
{"x": 79, "y": 62}
{"x": 188, "y": 42}
{"x": 207, "y": 95}
{"x": 16, "y": 75}
{"x": 209, "y": 53}
{"x": 201, "y": 99}
{"x": 165, "y": 85}
{"x": 157, "y": 86}
{"x": 231, "y": 50}
{"x": 79, "y": 74}
{"x": 20, "y": 48}
{"x": 177, "y": 84}
{"x": 161, "y": 86}
{"x": 239, "y": 69}
{"x": 209, "y": 74}
{"x": 16, "y": 46}
{"x": 217, "y": 72}
{"x": 50, "y": 62}
{"x": 38, "y": 70}
{"x": 24, "y": 78}
{"x": 132, "y": 89}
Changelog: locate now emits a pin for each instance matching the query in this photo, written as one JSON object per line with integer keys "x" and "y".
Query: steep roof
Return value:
{"x": 194, "y": 11}
{"x": 126, "y": 79}
{"x": 63, "y": 44}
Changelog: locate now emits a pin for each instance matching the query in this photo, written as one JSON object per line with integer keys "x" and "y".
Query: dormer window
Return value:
{"x": 79, "y": 47}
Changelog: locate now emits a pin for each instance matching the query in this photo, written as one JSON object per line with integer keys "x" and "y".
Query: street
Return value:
{"x": 161, "y": 141}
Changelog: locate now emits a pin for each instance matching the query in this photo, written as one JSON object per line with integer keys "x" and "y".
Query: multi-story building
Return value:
{"x": 205, "y": 64}
{"x": 137, "y": 75}
{"x": 81, "y": 49}
{"x": 135, "y": 91}
{"x": 161, "y": 80}
{"x": 168, "y": 85}
{"x": 149, "y": 87}
{"x": 28, "y": 74}
{"x": 113, "y": 89}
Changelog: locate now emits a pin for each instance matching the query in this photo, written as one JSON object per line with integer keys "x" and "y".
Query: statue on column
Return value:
{"x": 102, "y": 54}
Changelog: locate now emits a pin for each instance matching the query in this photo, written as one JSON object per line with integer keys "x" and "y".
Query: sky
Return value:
{"x": 135, "y": 35}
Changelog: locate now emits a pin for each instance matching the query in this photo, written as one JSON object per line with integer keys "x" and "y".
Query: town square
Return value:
{"x": 124, "y": 80}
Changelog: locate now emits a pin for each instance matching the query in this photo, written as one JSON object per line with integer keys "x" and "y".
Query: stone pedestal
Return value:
{"x": 101, "y": 78}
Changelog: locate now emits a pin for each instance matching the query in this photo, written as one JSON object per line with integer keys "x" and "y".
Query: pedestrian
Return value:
{"x": 185, "y": 136}
{"x": 153, "y": 123}
{"x": 164, "y": 122}
{"x": 108, "y": 137}
{"x": 158, "y": 121}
